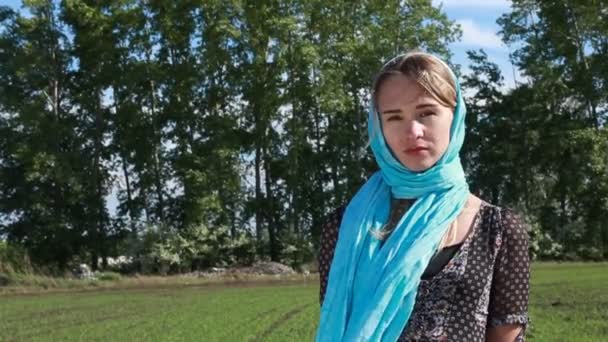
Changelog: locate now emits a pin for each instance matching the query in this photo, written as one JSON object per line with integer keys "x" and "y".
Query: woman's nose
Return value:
{"x": 414, "y": 130}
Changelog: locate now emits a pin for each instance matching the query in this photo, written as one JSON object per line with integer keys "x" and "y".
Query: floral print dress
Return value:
{"x": 467, "y": 288}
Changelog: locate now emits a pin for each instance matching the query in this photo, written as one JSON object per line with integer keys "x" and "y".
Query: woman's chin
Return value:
{"x": 418, "y": 165}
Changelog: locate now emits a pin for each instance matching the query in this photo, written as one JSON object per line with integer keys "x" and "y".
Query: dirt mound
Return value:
{"x": 265, "y": 268}
{"x": 260, "y": 268}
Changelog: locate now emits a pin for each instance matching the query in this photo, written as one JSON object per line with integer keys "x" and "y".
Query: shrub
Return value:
{"x": 543, "y": 246}
{"x": 14, "y": 259}
{"x": 108, "y": 276}
{"x": 5, "y": 279}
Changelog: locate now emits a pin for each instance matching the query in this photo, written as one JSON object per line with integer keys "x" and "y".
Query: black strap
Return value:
{"x": 439, "y": 260}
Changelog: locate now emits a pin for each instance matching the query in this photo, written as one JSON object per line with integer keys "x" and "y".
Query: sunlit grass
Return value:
{"x": 569, "y": 302}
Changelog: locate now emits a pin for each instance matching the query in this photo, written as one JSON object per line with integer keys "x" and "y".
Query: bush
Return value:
{"x": 108, "y": 276}
{"x": 14, "y": 259}
{"x": 543, "y": 246}
{"x": 242, "y": 250}
{"x": 310, "y": 267}
{"x": 571, "y": 256}
{"x": 5, "y": 279}
{"x": 296, "y": 251}
{"x": 168, "y": 250}
{"x": 590, "y": 253}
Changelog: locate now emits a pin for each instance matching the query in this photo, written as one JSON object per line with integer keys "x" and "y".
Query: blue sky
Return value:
{"x": 12, "y": 3}
{"x": 477, "y": 19}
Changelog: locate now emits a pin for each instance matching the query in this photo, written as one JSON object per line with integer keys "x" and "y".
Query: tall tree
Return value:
{"x": 42, "y": 190}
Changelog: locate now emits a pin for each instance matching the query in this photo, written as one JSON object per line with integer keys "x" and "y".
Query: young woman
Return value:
{"x": 414, "y": 255}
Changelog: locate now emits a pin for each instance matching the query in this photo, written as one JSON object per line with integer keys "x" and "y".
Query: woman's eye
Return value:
{"x": 425, "y": 114}
{"x": 394, "y": 118}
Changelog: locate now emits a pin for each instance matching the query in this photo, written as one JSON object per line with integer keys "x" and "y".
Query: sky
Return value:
{"x": 477, "y": 19}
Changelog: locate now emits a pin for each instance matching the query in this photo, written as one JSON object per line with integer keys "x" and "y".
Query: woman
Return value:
{"x": 414, "y": 255}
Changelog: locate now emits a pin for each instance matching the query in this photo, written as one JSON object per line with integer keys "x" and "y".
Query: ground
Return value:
{"x": 569, "y": 302}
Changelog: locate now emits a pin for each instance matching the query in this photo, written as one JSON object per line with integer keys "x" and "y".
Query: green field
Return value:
{"x": 569, "y": 302}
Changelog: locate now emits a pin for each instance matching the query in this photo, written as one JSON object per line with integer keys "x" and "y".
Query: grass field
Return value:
{"x": 569, "y": 302}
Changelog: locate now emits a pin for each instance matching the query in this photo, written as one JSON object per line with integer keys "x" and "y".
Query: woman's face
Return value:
{"x": 416, "y": 127}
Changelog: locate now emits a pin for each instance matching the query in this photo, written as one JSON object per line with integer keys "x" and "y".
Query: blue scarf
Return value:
{"x": 371, "y": 290}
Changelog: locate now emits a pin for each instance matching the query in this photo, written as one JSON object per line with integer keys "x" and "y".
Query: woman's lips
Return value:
{"x": 416, "y": 150}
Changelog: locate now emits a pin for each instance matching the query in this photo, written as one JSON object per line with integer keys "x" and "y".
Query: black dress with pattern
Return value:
{"x": 483, "y": 283}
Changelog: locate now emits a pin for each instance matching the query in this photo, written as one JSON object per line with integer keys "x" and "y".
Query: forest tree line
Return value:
{"x": 196, "y": 133}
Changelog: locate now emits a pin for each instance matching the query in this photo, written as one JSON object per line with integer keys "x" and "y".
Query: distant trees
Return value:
{"x": 207, "y": 132}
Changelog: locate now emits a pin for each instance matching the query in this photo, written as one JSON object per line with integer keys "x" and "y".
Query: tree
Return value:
{"x": 42, "y": 190}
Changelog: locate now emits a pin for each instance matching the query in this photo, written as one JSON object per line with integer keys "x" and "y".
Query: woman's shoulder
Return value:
{"x": 503, "y": 221}
{"x": 335, "y": 216}
{"x": 331, "y": 222}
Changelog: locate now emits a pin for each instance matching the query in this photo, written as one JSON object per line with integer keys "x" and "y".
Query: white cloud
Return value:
{"x": 475, "y": 36}
{"x": 473, "y": 3}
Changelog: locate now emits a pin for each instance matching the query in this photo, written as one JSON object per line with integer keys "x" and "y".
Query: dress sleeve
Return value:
{"x": 511, "y": 279}
{"x": 327, "y": 246}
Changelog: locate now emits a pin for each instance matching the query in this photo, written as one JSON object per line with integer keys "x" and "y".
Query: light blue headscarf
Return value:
{"x": 371, "y": 290}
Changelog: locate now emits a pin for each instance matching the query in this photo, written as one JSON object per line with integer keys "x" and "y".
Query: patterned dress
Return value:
{"x": 483, "y": 282}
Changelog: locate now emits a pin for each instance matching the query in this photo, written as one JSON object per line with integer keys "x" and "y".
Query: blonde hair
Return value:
{"x": 430, "y": 72}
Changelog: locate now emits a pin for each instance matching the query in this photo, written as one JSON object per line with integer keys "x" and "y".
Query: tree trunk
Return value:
{"x": 99, "y": 237}
{"x": 258, "y": 193}
{"x": 269, "y": 210}
{"x": 160, "y": 211}
{"x": 124, "y": 164}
